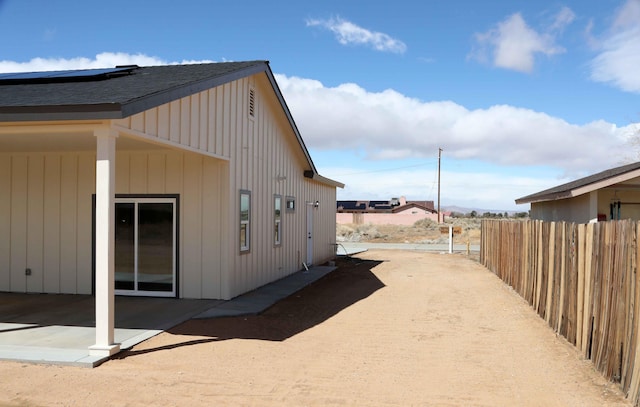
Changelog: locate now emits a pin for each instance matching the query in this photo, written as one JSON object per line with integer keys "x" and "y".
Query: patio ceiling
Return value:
{"x": 64, "y": 142}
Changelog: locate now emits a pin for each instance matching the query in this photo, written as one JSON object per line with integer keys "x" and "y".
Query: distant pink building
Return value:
{"x": 396, "y": 211}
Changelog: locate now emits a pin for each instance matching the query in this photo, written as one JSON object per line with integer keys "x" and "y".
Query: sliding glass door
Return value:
{"x": 145, "y": 246}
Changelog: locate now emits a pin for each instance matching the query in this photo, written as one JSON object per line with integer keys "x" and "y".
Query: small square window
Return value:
{"x": 245, "y": 221}
{"x": 291, "y": 204}
{"x": 277, "y": 220}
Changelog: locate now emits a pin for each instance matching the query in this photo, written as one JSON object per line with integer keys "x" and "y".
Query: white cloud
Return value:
{"x": 513, "y": 44}
{"x": 561, "y": 20}
{"x": 471, "y": 189}
{"x": 619, "y": 50}
{"x": 102, "y": 60}
{"x": 348, "y": 33}
{"x": 389, "y": 125}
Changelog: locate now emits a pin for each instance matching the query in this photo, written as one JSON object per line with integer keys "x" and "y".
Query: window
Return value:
{"x": 277, "y": 220}
{"x": 245, "y": 221}
{"x": 145, "y": 244}
{"x": 291, "y": 204}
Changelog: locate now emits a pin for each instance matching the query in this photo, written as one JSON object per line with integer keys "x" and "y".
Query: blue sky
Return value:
{"x": 520, "y": 95}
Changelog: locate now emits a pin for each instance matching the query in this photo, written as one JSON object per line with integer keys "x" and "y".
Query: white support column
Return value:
{"x": 105, "y": 242}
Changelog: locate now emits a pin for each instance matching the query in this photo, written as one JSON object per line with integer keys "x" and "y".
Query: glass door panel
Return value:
{"x": 155, "y": 246}
{"x": 145, "y": 246}
{"x": 125, "y": 246}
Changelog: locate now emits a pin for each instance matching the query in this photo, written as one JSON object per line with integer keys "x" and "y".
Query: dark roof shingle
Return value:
{"x": 120, "y": 96}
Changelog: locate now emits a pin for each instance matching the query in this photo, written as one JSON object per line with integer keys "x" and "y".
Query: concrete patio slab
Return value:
{"x": 259, "y": 300}
{"x": 59, "y": 328}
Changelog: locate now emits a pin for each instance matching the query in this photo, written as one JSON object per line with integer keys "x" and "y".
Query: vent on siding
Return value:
{"x": 252, "y": 102}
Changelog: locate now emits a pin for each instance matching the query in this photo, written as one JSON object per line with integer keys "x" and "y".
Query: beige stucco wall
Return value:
{"x": 570, "y": 210}
{"x": 403, "y": 218}
{"x": 629, "y": 198}
{"x": 589, "y": 206}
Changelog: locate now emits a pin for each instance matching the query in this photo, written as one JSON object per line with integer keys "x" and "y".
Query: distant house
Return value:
{"x": 396, "y": 211}
{"x": 608, "y": 195}
{"x": 187, "y": 181}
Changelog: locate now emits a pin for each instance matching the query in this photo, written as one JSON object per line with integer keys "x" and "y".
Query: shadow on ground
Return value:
{"x": 351, "y": 282}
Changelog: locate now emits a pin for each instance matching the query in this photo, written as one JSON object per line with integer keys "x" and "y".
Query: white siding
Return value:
{"x": 18, "y": 227}
{"x": 198, "y": 180}
{"x": 46, "y": 225}
{"x": 259, "y": 149}
{"x": 5, "y": 223}
{"x": 199, "y": 122}
{"x": 213, "y": 149}
{"x": 51, "y": 225}
{"x": 35, "y": 211}
{"x": 266, "y": 148}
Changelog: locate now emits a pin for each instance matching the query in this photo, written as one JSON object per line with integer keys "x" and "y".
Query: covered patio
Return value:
{"x": 59, "y": 328}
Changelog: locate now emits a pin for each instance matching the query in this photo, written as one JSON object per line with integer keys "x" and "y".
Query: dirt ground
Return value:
{"x": 393, "y": 328}
{"x": 423, "y": 231}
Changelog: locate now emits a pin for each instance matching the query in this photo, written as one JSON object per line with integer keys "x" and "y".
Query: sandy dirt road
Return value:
{"x": 397, "y": 328}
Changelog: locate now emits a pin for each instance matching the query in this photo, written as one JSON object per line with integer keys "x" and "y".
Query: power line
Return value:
{"x": 381, "y": 170}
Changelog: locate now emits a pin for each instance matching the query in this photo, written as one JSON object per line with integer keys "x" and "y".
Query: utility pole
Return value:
{"x": 439, "y": 157}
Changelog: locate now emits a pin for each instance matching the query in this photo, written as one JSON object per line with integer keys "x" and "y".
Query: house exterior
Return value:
{"x": 187, "y": 181}
{"x": 396, "y": 211}
{"x": 608, "y": 195}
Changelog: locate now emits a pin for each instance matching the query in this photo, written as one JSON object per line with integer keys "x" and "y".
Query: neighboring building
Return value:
{"x": 608, "y": 195}
{"x": 396, "y": 211}
{"x": 195, "y": 176}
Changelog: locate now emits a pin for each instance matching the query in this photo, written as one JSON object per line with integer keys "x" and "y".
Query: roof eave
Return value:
{"x": 580, "y": 189}
{"x": 327, "y": 181}
{"x": 64, "y": 112}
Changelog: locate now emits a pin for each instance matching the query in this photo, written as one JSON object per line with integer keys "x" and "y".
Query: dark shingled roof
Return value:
{"x": 126, "y": 92}
{"x": 117, "y": 97}
{"x": 568, "y": 190}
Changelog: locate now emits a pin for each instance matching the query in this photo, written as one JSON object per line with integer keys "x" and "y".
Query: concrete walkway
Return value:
{"x": 58, "y": 329}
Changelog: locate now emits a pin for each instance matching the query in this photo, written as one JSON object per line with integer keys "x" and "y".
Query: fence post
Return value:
{"x": 580, "y": 253}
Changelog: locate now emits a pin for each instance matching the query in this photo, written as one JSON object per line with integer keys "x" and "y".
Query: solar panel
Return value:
{"x": 63, "y": 76}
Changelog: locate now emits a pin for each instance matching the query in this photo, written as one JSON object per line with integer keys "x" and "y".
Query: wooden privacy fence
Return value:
{"x": 583, "y": 280}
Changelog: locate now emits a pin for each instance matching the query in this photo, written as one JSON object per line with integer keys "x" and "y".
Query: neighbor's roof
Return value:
{"x": 124, "y": 91}
{"x": 414, "y": 204}
{"x": 584, "y": 185}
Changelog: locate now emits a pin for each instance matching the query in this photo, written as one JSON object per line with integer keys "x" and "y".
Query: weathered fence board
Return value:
{"x": 583, "y": 280}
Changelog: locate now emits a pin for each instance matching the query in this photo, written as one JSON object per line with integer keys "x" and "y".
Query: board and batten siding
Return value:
{"x": 203, "y": 122}
{"x": 261, "y": 150}
{"x": 267, "y": 160}
{"x": 201, "y": 184}
{"x": 206, "y": 148}
{"x": 46, "y": 225}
